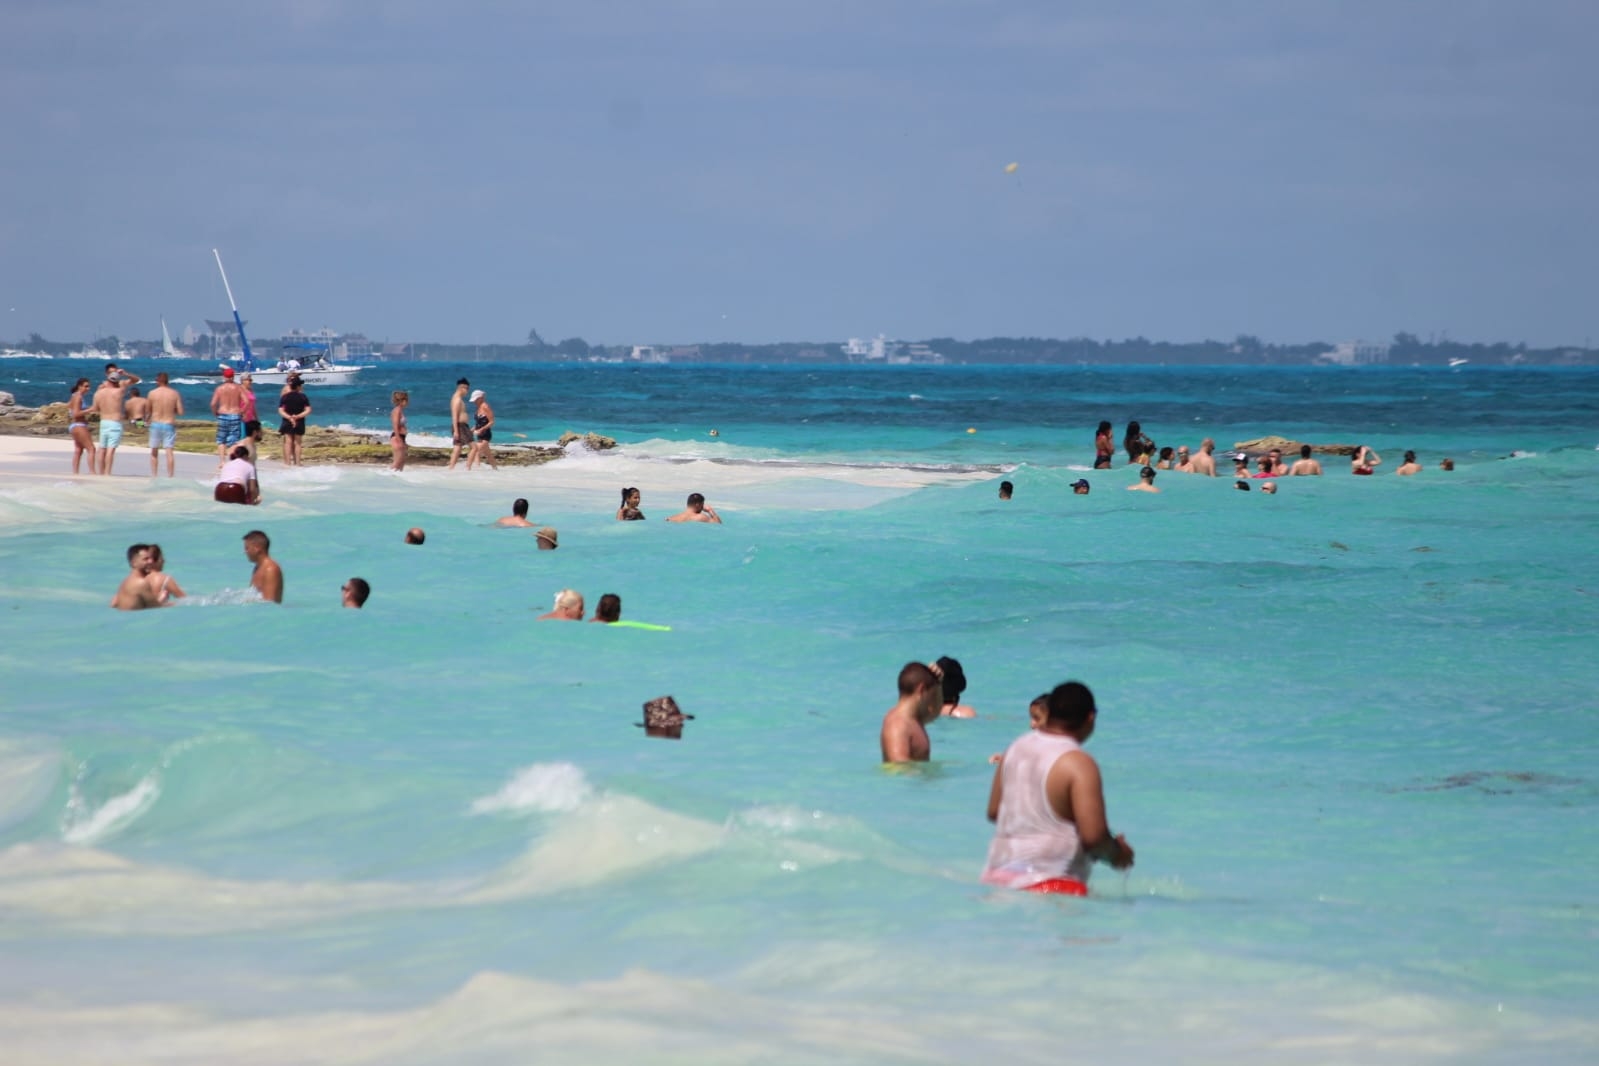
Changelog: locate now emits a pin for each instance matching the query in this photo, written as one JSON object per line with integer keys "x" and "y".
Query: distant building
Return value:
{"x": 646, "y": 353}
{"x": 1356, "y": 353}
{"x": 896, "y": 353}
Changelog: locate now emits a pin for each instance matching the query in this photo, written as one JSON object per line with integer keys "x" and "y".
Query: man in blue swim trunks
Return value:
{"x": 111, "y": 400}
{"x": 227, "y": 403}
{"x": 166, "y": 405}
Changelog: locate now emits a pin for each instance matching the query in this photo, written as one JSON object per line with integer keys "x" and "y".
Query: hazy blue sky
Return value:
{"x": 637, "y": 172}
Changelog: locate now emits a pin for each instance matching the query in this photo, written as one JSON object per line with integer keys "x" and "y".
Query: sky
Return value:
{"x": 674, "y": 171}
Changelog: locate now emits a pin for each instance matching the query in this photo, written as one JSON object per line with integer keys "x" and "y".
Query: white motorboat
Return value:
{"x": 316, "y": 372}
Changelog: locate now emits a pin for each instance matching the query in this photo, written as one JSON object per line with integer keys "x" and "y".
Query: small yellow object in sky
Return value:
{"x": 1011, "y": 168}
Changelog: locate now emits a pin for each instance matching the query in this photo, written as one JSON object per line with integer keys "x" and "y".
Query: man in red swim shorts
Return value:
{"x": 1048, "y": 804}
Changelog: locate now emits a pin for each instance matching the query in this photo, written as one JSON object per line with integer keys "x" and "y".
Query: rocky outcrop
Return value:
{"x": 592, "y": 441}
{"x": 1290, "y": 448}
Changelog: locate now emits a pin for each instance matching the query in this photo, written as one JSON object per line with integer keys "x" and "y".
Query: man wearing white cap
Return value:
{"x": 482, "y": 432}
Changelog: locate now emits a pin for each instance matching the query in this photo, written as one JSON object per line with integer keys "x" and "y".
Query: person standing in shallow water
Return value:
{"x": 1047, "y": 803}
{"x": 1137, "y": 444}
{"x": 903, "y": 737}
{"x": 267, "y": 577}
{"x": 629, "y": 511}
{"x": 1104, "y": 447}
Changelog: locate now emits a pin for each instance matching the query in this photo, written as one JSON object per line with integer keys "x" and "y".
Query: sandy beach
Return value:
{"x": 50, "y": 459}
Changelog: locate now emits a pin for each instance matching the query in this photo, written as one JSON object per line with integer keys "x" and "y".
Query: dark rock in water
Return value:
{"x": 1290, "y": 448}
{"x": 591, "y": 441}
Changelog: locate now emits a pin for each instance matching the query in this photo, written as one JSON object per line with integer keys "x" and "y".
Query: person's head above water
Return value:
{"x": 1071, "y": 707}
{"x": 1304, "y": 451}
{"x": 415, "y": 535}
{"x": 609, "y": 609}
{"x": 954, "y": 679}
{"x": 355, "y": 592}
{"x": 519, "y": 508}
{"x": 1080, "y": 487}
{"x": 1005, "y": 490}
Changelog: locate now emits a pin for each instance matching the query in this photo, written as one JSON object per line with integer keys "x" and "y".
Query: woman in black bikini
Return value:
{"x": 629, "y": 511}
{"x": 82, "y": 439}
{"x": 397, "y": 429}
{"x": 482, "y": 433}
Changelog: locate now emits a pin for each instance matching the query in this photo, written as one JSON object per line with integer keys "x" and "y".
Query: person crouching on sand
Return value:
{"x": 236, "y": 481}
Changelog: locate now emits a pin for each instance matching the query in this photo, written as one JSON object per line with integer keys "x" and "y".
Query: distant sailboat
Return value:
{"x": 167, "y": 348}
{"x": 1457, "y": 362}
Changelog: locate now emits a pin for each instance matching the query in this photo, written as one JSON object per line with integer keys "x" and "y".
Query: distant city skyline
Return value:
{"x": 656, "y": 172}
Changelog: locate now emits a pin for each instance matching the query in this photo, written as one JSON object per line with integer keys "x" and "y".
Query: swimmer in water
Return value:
{"x": 904, "y": 734}
{"x": 1047, "y": 803}
{"x": 1409, "y": 467}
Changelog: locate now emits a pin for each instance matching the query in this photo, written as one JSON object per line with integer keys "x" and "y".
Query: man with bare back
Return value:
{"x": 111, "y": 400}
{"x": 166, "y": 405}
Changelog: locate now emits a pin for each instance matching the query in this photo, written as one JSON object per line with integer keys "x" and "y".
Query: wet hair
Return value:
{"x": 630, "y": 490}
{"x": 913, "y": 677}
{"x": 1133, "y": 430}
{"x": 359, "y": 590}
{"x": 696, "y": 500}
{"x": 415, "y": 535}
{"x": 1104, "y": 427}
{"x": 156, "y": 558}
{"x": 135, "y": 549}
{"x": 1006, "y": 488}
{"x": 1241, "y": 485}
{"x": 1165, "y": 453}
{"x": 1410, "y": 457}
{"x": 609, "y": 609}
{"x": 1447, "y": 464}
{"x": 519, "y": 508}
{"x": 1071, "y": 704}
{"x": 954, "y": 678}
{"x": 259, "y": 539}
{"x": 1304, "y": 451}
{"x": 1147, "y": 473}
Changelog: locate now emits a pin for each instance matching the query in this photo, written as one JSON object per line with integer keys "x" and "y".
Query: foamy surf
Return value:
{"x": 542, "y": 788}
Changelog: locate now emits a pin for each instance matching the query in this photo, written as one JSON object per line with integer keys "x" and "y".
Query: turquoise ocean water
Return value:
{"x": 1350, "y": 730}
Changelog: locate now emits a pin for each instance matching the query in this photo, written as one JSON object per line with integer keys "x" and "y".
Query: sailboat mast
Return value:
{"x": 249, "y": 360}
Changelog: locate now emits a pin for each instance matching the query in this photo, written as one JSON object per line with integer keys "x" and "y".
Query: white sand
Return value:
{"x": 51, "y": 458}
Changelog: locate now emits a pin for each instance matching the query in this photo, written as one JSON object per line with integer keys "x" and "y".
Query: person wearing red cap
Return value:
{"x": 227, "y": 403}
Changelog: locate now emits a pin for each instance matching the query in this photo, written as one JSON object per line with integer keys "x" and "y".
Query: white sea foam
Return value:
{"x": 82, "y": 824}
{"x": 542, "y": 787}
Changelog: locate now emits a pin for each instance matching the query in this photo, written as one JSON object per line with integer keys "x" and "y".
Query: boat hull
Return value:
{"x": 336, "y": 375}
